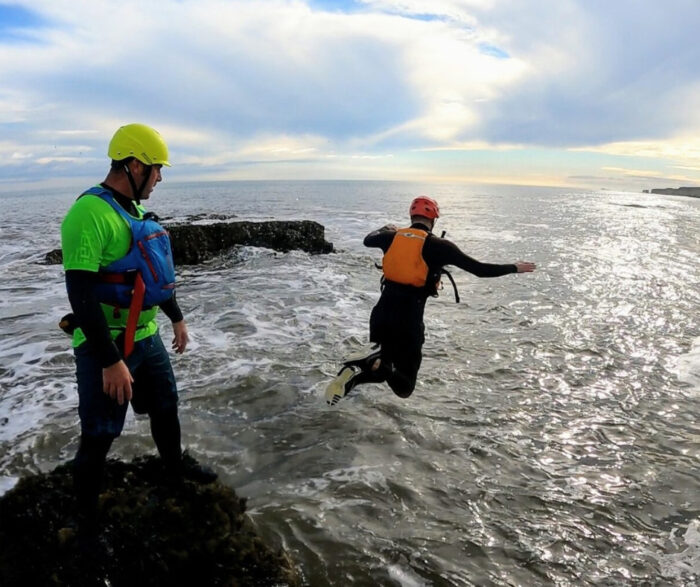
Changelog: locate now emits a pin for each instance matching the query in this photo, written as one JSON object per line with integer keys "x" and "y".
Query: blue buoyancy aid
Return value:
{"x": 149, "y": 256}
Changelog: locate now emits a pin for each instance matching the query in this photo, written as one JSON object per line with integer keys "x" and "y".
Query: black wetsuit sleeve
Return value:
{"x": 172, "y": 310}
{"x": 439, "y": 252}
{"x": 381, "y": 238}
{"x": 88, "y": 313}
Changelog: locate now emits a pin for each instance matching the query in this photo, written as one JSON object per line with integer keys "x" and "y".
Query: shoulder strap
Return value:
{"x": 449, "y": 275}
{"x": 96, "y": 190}
{"x": 452, "y": 281}
{"x": 107, "y": 196}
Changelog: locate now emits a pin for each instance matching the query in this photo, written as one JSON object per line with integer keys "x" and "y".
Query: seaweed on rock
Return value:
{"x": 154, "y": 531}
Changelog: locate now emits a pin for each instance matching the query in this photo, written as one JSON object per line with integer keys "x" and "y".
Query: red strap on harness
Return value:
{"x": 112, "y": 278}
{"x": 133, "y": 317}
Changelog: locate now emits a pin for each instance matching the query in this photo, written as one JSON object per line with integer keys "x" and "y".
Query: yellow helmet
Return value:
{"x": 139, "y": 141}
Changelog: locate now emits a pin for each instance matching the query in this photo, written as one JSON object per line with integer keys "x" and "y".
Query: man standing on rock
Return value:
{"x": 119, "y": 272}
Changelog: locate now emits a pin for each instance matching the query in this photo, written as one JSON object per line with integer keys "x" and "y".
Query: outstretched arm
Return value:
{"x": 441, "y": 252}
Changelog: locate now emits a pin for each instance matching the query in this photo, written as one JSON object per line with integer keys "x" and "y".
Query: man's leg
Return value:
{"x": 401, "y": 356}
{"x": 88, "y": 467}
{"x": 398, "y": 369}
{"x": 165, "y": 429}
{"x": 403, "y": 374}
{"x": 397, "y": 327}
{"x": 376, "y": 367}
{"x": 155, "y": 393}
{"x": 101, "y": 421}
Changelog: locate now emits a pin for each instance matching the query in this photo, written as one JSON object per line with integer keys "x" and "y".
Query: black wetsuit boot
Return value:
{"x": 165, "y": 429}
{"x": 88, "y": 467}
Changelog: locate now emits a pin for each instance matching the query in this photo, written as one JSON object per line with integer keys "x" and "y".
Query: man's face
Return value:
{"x": 154, "y": 177}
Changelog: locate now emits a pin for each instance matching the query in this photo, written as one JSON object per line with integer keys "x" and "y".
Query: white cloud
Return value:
{"x": 682, "y": 149}
{"x": 472, "y": 146}
{"x": 281, "y": 146}
{"x": 634, "y": 172}
{"x": 281, "y": 81}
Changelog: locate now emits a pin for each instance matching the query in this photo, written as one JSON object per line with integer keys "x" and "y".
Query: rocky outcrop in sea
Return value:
{"x": 154, "y": 532}
{"x": 194, "y": 241}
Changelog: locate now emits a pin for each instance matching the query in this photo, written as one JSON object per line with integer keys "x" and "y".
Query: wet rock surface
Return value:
{"x": 154, "y": 531}
{"x": 693, "y": 192}
{"x": 194, "y": 242}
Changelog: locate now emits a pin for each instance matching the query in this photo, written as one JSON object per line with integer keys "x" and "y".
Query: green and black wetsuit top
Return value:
{"x": 93, "y": 237}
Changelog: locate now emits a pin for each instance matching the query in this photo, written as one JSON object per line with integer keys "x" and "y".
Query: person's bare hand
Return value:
{"x": 525, "y": 266}
{"x": 116, "y": 382}
{"x": 181, "y": 337}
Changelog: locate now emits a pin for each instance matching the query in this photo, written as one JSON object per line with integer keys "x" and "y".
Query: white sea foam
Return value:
{"x": 7, "y": 483}
{"x": 688, "y": 366}
{"x": 685, "y": 564}
{"x": 24, "y": 407}
{"x": 405, "y": 577}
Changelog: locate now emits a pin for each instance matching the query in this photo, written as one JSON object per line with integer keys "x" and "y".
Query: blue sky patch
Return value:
{"x": 350, "y": 6}
{"x": 337, "y": 5}
{"x": 493, "y": 51}
{"x": 426, "y": 17}
{"x": 14, "y": 20}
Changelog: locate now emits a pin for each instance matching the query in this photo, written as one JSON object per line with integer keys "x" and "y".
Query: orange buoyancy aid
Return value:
{"x": 403, "y": 262}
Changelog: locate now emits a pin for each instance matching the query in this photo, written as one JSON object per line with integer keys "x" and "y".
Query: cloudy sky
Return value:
{"x": 580, "y": 93}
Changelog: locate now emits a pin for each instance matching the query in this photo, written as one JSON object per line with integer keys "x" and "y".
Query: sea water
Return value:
{"x": 552, "y": 438}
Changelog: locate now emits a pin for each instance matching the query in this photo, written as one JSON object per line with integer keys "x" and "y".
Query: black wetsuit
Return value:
{"x": 396, "y": 321}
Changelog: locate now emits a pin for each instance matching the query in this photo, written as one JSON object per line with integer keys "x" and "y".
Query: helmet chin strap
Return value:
{"x": 137, "y": 191}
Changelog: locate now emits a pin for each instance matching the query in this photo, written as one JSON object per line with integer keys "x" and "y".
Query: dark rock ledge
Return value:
{"x": 693, "y": 192}
{"x": 195, "y": 243}
{"x": 154, "y": 532}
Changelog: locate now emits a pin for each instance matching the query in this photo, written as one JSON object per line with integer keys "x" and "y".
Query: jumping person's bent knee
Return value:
{"x": 402, "y": 389}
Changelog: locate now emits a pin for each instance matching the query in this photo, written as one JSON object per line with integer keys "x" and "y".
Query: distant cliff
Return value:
{"x": 684, "y": 191}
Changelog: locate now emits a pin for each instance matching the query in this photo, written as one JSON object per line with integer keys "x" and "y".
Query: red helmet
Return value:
{"x": 425, "y": 206}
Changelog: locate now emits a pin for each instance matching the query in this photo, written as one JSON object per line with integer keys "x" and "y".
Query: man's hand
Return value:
{"x": 116, "y": 382}
{"x": 525, "y": 267}
{"x": 388, "y": 228}
{"x": 181, "y": 337}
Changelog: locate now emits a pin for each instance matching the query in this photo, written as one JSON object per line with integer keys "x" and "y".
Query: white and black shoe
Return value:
{"x": 367, "y": 361}
{"x": 342, "y": 384}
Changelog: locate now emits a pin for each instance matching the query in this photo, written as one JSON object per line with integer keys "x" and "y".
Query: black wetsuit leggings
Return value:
{"x": 88, "y": 465}
{"x": 396, "y": 323}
